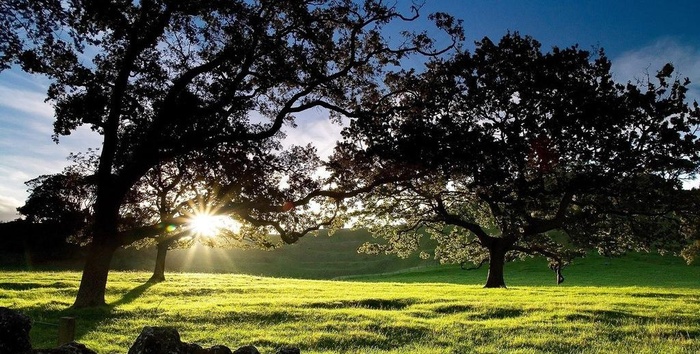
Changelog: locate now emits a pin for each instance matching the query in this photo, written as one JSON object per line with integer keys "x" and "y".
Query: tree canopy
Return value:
{"x": 511, "y": 151}
{"x": 164, "y": 79}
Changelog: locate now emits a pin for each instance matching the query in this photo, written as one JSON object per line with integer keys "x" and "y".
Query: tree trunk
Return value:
{"x": 159, "y": 270}
{"x": 497, "y": 260}
{"x": 94, "y": 281}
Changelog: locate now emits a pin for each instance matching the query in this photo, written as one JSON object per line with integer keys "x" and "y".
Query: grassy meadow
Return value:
{"x": 640, "y": 303}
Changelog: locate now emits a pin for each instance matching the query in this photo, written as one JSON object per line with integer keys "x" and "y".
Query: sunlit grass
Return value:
{"x": 361, "y": 317}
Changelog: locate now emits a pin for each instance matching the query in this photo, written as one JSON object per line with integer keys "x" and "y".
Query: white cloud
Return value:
{"x": 314, "y": 127}
{"x": 8, "y": 208}
{"x": 637, "y": 64}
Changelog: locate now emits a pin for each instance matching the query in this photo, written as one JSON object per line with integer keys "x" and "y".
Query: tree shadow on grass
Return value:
{"x": 45, "y": 318}
{"x": 44, "y": 332}
{"x": 132, "y": 295}
{"x": 371, "y": 304}
{"x": 613, "y": 318}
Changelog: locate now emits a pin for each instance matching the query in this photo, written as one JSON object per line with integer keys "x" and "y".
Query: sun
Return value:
{"x": 211, "y": 225}
{"x": 205, "y": 224}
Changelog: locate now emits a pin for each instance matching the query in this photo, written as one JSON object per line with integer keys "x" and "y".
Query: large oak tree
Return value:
{"x": 512, "y": 151}
{"x": 161, "y": 79}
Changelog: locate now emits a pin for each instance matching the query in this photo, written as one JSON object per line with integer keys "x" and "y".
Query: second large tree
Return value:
{"x": 513, "y": 151}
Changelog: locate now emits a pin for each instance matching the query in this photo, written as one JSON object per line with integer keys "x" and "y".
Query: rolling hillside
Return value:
{"x": 319, "y": 257}
{"x": 324, "y": 257}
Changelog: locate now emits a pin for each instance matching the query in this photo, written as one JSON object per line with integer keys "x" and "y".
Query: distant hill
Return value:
{"x": 42, "y": 246}
{"x": 329, "y": 257}
{"x": 312, "y": 257}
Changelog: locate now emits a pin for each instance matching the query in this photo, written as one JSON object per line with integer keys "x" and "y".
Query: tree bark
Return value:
{"x": 159, "y": 270}
{"x": 497, "y": 260}
{"x": 93, "y": 283}
{"x": 94, "y": 280}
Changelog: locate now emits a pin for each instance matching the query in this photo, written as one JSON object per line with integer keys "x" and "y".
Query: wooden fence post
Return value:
{"x": 66, "y": 330}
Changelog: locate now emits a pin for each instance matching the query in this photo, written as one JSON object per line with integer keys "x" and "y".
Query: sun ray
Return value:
{"x": 206, "y": 223}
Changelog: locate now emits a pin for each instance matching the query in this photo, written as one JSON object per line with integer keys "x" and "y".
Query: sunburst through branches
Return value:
{"x": 208, "y": 224}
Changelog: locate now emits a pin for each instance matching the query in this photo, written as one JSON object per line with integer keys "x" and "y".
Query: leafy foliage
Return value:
{"x": 165, "y": 81}
{"x": 23, "y": 22}
{"x": 518, "y": 152}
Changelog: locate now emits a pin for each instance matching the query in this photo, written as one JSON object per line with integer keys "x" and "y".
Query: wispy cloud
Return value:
{"x": 25, "y": 157}
{"x": 25, "y": 102}
{"x": 14, "y": 171}
{"x": 637, "y": 64}
{"x": 26, "y": 148}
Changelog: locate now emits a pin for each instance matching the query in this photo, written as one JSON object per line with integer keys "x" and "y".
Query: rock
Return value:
{"x": 68, "y": 348}
{"x": 14, "y": 332}
{"x": 158, "y": 340}
{"x": 219, "y": 349}
{"x": 75, "y": 348}
{"x": 166, "y": 340}
{"x": 248, "y": 349}
{"x": 14, "y": 339}
{"x": 192, "y": 348}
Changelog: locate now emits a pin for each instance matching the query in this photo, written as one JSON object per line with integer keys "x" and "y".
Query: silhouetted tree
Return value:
{"x": 63, "y": 198}
{"x": 23, "y": 23}
{"x": 512, "y": 151}
{"x": 58, "y": 209}
{"x": 160, "y": 79}
{"x": 236, "y": 183}
{"x": 225, "y": 182}
{"x": 688, "y": 209}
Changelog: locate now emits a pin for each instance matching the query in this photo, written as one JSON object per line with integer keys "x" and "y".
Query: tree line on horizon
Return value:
{"x": 497, "y": 153}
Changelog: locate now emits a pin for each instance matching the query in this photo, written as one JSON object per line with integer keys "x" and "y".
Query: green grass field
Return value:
{"x": 640, "y": 304}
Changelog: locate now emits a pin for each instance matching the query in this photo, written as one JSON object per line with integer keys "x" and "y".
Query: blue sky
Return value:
{"x": 639, "y": 36}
